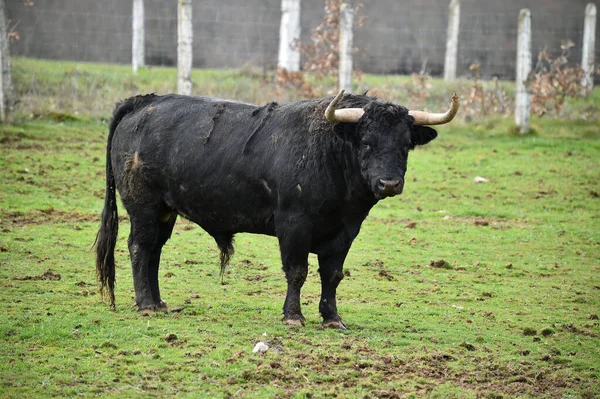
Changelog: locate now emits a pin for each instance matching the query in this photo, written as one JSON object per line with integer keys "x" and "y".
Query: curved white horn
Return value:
{"x": 428, "y": 118}
{"x": 344, "y": 114}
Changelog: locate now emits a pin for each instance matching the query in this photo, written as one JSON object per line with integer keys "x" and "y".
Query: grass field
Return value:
{"x": 454, "y": 289}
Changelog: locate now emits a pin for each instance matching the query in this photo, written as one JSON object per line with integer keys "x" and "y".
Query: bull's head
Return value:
{"x": 386, "y": 133}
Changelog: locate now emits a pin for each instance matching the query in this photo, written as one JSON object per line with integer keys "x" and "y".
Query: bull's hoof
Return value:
{"x": 147, "y": 309}
{"x": 337, "y": 324}
{"x": 294, "y": 322}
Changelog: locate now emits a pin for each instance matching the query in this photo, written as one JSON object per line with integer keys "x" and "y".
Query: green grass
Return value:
{"x": 512, "y": 312}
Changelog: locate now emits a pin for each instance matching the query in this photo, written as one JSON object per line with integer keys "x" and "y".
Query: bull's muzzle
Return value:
{"x": 389, "y": 188}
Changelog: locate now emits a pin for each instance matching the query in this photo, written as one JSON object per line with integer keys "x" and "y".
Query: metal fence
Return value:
{"x": 398, "y": 37}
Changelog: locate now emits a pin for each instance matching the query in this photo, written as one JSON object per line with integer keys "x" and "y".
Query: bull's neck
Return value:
{"x": 344, "y": 162}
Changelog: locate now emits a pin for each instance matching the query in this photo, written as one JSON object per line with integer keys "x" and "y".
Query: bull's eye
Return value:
{"x": 366, "y": 145}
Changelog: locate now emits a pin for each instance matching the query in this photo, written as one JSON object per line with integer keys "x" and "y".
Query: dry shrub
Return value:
{"x": 321, "y": 56}
{"x": 383, "y": 93}
{"x": 484, "y": 101}
{"x": 552, "y": 81}
{"x": 419, "y": 89}
{"x": 285, "y": 79}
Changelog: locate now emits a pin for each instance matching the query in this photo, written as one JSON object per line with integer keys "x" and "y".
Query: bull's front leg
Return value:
{"x": 331, "y": 271}
{"x": 295, "y": 275}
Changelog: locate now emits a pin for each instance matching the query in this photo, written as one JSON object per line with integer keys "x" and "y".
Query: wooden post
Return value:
{"x": 289, "y": 36}
{"x": 137, "y": 42}
{"x": 523, "y": 100}
{"x": 589, "y": 42}
{"x": 5, "y": 75}
{"x": 452, "y": 41}
{"x": 345, "y": 47}
{"x": 184, "y": 47}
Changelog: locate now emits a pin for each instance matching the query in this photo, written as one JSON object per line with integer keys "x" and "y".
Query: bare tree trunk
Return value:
{"x": 589, "y": 41}
{"x": 184, "y": 47}
{"x": 5, "y": 76}
{"x": 289, "y": 36}
{"x": 137, "y": 45}
{"x": 345, "y": 47}
{"x": 452, "y": 41}
{"x": 523, "y": 100}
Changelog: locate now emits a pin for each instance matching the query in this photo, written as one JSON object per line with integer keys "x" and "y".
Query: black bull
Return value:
{"x": 281, "y": 170}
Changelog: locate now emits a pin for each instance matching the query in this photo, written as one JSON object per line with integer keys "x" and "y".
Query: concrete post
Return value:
{"x": 523, "y": 100}
{"x": 5, "y": 74}
{"x": 589, "y": 42}
{"x": 452, "y": 41}
{"x": 137, "y": 42}
{"x": 184, "y": 47}
{"x": 345, "y": 47}
{"x": 289, "y": 36}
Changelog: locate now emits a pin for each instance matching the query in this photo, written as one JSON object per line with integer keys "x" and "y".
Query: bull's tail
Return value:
{"x": 106, "y": 238}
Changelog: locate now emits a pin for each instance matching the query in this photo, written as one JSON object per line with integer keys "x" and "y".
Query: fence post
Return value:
{"x": 523, "y": 100}
{"x": 452, "y": 40}
{"x": 345, "y": 47}
{"x": 289, "y": 36}
{"x": 5, "y": 76}
{"x": 137, "y": 40}
{"x": 184, "y": 47}
{"x": 589, "y": 42}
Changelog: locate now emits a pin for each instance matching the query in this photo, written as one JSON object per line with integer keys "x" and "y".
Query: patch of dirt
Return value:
{"x": 579, "y": 331}
{"x": 47, "y": 216}
{"x": 47, "y": 275}
{"x": 543, "y": 193}
{"x": 360, "y": 365}
{"x": 440, "y": 264}
{"x": 411, "y": 225}
{"x": 257, "y": 277}
{"x": 384, "y": 274}
{"x": 468, "y": 346}
{"x": 528, "y": 331}
{"x": 171, "y": 337}
{"x": 493, "y": 223}
{"x": 377, "y": 264}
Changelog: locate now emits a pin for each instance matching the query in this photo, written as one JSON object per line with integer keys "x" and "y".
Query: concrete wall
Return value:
{"x": 399, "y": 36}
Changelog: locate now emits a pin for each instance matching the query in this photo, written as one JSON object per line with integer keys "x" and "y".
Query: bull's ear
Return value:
{"x": 422, "y": 135}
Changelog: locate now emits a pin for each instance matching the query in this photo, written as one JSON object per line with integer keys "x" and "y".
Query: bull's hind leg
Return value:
{"x": 165, "y": 228}
{"x": 148, "y": 235}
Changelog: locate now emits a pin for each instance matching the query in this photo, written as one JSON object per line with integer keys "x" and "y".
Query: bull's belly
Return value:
{"x": 220, "y": 215}
{"x": 233, "y": 223}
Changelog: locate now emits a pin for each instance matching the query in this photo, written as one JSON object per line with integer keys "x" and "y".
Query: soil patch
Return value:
{"x": 47, "y": 275}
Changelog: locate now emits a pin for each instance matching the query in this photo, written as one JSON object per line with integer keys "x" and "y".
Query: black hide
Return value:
{"x": 280, "y": 170}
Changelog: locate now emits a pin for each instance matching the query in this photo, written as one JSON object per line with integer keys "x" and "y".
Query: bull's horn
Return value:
{"x": 344, "y": 114}
{"x": 427, "y": 118}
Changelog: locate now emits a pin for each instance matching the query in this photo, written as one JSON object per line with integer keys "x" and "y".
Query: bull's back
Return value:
{"x": 202, "y": 157}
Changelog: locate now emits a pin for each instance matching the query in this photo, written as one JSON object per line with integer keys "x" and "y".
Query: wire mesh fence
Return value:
{"x": 398, "y": 37}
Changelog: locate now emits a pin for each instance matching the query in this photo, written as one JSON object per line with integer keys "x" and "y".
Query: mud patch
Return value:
{"x": 579, "y": 331}
{"x": 134, "y": 173}
{"x": 384, "y": 274}
{"x": 440, "y": 264}
{"x": 47, "y": 275}
{"x": 46, "y": 216}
